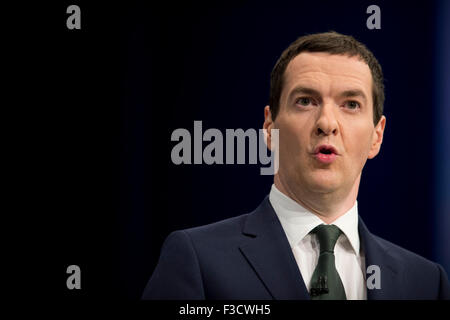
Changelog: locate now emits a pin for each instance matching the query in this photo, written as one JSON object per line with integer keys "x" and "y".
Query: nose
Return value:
{"x": 327, "y": 123}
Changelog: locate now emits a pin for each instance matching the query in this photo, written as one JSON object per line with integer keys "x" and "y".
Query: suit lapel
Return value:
{"x": 377, "y": 254}
{"x": 267, "y": 250}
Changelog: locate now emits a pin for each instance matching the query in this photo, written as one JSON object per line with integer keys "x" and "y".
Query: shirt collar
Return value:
{"x": 298, "y": 221}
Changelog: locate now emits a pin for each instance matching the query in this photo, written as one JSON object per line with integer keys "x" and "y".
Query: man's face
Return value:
{"x": 326, "y": 100}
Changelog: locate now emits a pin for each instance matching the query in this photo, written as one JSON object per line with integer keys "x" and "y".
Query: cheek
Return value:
{"x": 293, "y": 138}
{"x": 359, "y": 146}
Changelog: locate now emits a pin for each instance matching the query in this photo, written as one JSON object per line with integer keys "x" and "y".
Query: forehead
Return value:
{"x": 327, "y": 71}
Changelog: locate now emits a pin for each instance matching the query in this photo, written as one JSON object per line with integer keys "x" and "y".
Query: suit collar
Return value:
{"x": 391, "y": 268}
{"x": 268, "y": 251}
{"x": 297, "y": 221}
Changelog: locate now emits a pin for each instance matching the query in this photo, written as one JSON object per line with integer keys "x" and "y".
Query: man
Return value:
{"x": 306, "y": 240}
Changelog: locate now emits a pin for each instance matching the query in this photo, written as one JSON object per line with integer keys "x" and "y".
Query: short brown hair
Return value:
{"x": 333, "y": 43}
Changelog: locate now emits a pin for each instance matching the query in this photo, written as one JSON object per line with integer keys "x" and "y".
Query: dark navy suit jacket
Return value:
{"x": 249, "y": 257}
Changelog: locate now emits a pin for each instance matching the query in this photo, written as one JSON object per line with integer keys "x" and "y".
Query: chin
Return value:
{"x": 324, "y": 184}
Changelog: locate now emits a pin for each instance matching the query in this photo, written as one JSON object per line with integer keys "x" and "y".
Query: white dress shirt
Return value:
{"x": 297, "y": 222}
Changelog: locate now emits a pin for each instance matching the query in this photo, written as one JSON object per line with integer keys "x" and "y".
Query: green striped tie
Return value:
{"x": 325, "y": 282}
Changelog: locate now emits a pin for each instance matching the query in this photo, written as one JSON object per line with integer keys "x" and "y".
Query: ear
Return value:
{"x": 268, "y": 125}
{"x": 377, "y": 138}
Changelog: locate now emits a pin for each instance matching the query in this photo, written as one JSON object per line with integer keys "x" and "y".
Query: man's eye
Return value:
{"x": 304, "y": 101}
{"x": 353, "y": 104}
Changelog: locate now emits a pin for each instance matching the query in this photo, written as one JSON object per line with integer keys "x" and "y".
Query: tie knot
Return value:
{"x": 327, "y": 235}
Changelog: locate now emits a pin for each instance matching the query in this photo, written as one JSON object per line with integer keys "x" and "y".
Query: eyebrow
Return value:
{"x": 313, "y": 92}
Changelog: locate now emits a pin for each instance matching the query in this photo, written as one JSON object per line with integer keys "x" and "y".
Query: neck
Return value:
{"x": 327, "y": 206}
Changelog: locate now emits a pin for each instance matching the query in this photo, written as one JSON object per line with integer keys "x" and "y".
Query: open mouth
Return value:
{"x": 326, "y": 151}
{"x": 325, "y": 154}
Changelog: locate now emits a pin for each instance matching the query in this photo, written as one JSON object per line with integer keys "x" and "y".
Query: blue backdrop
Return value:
{"x": 441, "y": 137}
